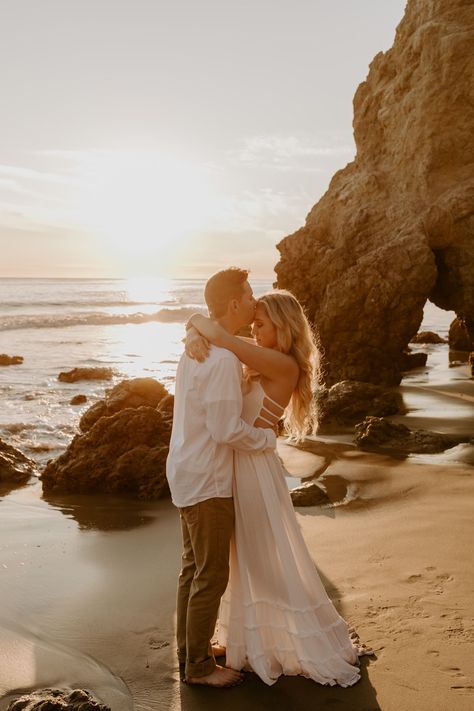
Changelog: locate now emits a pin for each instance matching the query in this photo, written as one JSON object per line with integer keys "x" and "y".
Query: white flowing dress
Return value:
{"x": 275, "y": 616}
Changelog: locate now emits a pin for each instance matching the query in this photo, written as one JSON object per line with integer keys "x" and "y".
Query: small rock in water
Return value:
{"x": 57, "y": 700}
{"x": 348, "y": 401}
{"x": 459, "y": 339}
{"x": 376, "y": 433}
{"x": 427, "y": 337}
{"x": 72, "y": 376}
{"x": 10, "y": 360}
{"x": 78, "y": 400}
{"x": 310, "y": 494}
{"x": 15, "y": 468}
{"x": 409, "y": 361}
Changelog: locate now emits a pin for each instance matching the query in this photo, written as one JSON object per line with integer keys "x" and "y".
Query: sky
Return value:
{"x": 173, "y": 137}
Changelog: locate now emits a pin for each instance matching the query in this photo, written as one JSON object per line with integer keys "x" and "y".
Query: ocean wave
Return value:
{"x": 81, "y": 302}
{"x": 15, "y": 427}
{"x": 13, "y": 323}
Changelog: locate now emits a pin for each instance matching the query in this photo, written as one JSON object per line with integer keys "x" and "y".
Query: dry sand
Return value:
{"x": 87, "y": 585}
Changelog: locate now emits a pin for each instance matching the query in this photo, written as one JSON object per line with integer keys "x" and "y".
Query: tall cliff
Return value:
{"x": 396, "y": 226}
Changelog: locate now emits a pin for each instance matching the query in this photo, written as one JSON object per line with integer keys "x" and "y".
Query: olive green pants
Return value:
{"x": 206, "y": 528}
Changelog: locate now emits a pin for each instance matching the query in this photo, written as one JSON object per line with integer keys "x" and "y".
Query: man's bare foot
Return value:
{"x": 221, "y": 677}
{"x": 218, "y": 650}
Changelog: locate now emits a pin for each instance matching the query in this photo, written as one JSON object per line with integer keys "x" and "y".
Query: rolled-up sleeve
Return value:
{"x": 222, "y": 401}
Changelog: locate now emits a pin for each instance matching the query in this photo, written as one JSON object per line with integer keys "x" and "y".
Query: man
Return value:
{"x": 206, "y": 428}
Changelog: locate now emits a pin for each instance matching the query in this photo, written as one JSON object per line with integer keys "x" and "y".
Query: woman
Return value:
{"x": 276, "y": 617}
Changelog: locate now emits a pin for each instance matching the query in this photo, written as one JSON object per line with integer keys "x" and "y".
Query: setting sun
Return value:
{"x": 140, "y": 206}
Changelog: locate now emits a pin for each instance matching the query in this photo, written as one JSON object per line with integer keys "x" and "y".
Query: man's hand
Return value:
{"x": 195, "y": 345}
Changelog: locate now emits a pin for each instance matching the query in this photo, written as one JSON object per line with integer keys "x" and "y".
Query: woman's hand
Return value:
{"x": 195, "y": 345}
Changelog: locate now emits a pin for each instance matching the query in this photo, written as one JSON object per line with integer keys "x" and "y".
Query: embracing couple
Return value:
{"x": 244, "y": 558}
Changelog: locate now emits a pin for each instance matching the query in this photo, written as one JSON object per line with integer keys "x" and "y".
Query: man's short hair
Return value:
{"x": 222, "y": 287}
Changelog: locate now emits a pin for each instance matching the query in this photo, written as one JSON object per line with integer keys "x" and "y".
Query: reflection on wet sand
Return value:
{"x": 89, "y": 607}
{"x": 102, "y": 513}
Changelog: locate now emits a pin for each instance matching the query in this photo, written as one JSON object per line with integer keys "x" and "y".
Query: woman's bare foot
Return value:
{"x": 218, "y": 650}
{"x": 361, "y": 648}
{"x": 220, "y": 677}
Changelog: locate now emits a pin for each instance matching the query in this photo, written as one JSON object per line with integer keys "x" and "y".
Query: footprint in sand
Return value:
{"x": 459, "y": 630}
{"x": 459, "y": 681}
{"x": 414, "y": 578}
{"x": 438, "y": 584}
{"x": 158, "y": 644}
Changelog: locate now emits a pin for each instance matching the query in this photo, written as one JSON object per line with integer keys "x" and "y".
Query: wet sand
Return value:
{"x": 87, "y": 584}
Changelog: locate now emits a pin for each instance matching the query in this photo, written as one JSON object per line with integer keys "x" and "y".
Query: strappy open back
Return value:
{"x": 257, "y": 405}
{"x": 266, "y": 415}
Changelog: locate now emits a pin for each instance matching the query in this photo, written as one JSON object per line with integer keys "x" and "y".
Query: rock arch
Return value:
{"x": 396, "y": 226}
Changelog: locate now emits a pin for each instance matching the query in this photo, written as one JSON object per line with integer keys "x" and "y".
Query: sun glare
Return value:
{"x": 141, "y": 206}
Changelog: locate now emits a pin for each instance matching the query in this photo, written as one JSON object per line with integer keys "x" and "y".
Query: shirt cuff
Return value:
{"x": 271, "y": 438}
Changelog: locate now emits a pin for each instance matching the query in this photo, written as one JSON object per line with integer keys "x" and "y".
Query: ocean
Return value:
{"x": 134, "y": 326}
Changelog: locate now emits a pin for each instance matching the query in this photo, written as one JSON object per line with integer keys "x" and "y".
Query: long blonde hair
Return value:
{"x": 295, "y": 337}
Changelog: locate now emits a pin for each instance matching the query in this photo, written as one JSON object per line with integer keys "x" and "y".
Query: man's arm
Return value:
{"x": 222, "y": 401}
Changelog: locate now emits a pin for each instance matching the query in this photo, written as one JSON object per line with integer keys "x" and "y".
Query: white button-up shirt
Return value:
{"x": 207, "y": 427}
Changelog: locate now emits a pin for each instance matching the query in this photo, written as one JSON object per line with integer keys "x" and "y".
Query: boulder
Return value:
{"x": 395, "y": 226}
{"x": 57, "y": 700}
{"x": 348, "y": 401}
{"x": 72, "y": 376}
{"x": 123, "y": 454}
{"x": 10, "y": 360}
{"x": 309, "y": 494}
{"x": 427, "y": 337}
{"x": 376, "y": 433}
{"x": 459, "y": 339}
{"x": 128, "y": 393}
{"x": 78, "y": 400}
{"x": 409, "y": 361}
{"x": 15, "y": 467}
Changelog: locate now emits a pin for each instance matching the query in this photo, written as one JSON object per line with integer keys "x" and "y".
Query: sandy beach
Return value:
{"x": 87, "y": 583}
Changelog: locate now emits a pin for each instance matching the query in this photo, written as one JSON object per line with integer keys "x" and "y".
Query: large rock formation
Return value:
{"x": 396, "y": 226}
{"x": 121, "y": 454}
{"x": 128, "y": 393}
{"x": 123, "y": 447}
